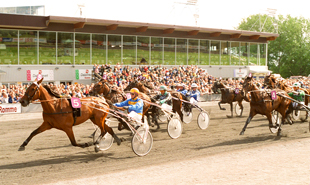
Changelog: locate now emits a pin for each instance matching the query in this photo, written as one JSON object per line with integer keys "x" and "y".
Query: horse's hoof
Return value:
{"x": 118, "y": 141}
{"x": 229, "y": 116}
{"x": 241, "y": 133}
{"x": 97, "y": 149}
{"x": 279, "y": 133}
{"x": 123, "y": 139}
{"x": 21, "y": 148}
{"x": 223, "y": 108}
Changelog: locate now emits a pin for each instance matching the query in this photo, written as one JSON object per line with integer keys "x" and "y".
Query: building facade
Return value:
{"x": 55, "y": 43}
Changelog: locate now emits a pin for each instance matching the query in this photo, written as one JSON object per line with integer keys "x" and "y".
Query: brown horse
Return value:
{"x": 117, "y": 96}
{"x": 58, "y": 113}
{"x": 229, "y": 95}
{"x": 261, "y": 103}
{"x": 271, "y": 82}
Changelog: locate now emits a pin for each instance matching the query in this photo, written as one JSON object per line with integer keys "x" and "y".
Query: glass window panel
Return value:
{"x": 8, "y": 47}
{"x": 114, "y": 49}
{"x": 156, "y": 51}
{"x": 169, "y": 51}
{"x": 65, "y": 48}
{"x": 28, "y": 47}
{"x": 181, "y": 52}
{"x": 225, "y": 53}
{"x": 193, "y": 52}
{"x": 244, "y": 53}
{"x": 262, "y": 54}
{"x": 47, "y": 47}
{"x": 129, "y": 50}
{"x": 204, "y": 52}
{"x": 215, "y": 53}
{"x": 253, "y": 54}
{"x": 234, "y": 53}
{"x": 82, "y": 49}
{"x": 143, "y": 49}
{"x": 98, "y": 49}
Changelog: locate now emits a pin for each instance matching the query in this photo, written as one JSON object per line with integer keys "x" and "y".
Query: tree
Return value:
{"x": 289, "y": 54}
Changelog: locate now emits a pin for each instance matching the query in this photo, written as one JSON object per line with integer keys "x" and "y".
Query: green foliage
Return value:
{"x": 289, "y": 54}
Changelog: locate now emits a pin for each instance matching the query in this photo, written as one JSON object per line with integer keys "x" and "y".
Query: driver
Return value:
{"x": 193, "y": 93}
{"x": 134, "y": 105}
{"x": 181, "y": 89}
{"x": 163, "y": 97}
{"x": 298, "y": 95}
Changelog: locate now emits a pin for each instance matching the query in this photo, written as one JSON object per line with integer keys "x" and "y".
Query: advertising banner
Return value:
{"x": 10, "y": 108}
{"x": 240, "y": 72}
{"x": 83, "y": 74}
{"x": 46, "y": 74}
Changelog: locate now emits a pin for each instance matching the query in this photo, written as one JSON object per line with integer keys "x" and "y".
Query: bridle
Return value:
{"x": 31, "y": 97}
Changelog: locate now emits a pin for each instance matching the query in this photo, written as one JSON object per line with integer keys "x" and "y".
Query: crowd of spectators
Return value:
{"x": 121, "y": 76}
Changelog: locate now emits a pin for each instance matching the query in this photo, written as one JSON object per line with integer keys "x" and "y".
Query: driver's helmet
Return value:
{"x": 134, "y": 90}
{"x": 297, "y": 84}
{"x": 163, "y": 88}
{"x": 194, "y": 85}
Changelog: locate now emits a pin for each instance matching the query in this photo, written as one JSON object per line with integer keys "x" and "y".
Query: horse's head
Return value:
{"x": 32, "y": 93}
{"x": 270, "y": 81}
{"x": 133, "y": 84}
{"x": 248, "y": 84}
{"x": 216, "y": 86}
{"x": 97, "y": 89}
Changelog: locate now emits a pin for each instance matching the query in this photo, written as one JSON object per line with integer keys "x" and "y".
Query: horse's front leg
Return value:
{"x": 241, "y": 107}
{"x": 231, "y": 110}
{"x": 220, "y": 105}
{"x": 71, "y": 137}
{"x": 44, "y": 126}
{"x": 252, "y": 114}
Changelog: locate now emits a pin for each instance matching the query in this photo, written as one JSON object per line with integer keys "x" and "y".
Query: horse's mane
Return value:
{"x": 51, "y": 92}
{"x": 148, "y": 86}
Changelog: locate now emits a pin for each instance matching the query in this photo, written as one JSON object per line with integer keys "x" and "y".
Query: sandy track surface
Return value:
{"x": 217, "y": 155}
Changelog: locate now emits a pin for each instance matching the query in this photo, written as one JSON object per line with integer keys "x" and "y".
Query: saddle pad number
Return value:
{"x": 236, "y": 91}
{"x": 76, "y": 103}
{"x": 273, "y": 95}
{"x": 128, "y": 95}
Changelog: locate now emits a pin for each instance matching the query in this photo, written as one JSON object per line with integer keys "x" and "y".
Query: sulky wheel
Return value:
{"x": 174, "y": 128}
{"x": 187, "y": 117}
{"x": 276, "y": 119}
{"x": 140, "y": 146}
{"x": 296, "y": 116}
{"x": 237, "y": 110}
{"x": 104, "y": 143}
{"x": 203, "y": 120}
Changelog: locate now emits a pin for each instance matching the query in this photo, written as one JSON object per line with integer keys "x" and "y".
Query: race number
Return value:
{"x": 273, "y": 95}
{"x": 250, "y": 75}
{"x": 39, "y": 77}
{"x": 236, "y": 91}
{"x": 76, "y": 103}
{"x": 128, "y": 95}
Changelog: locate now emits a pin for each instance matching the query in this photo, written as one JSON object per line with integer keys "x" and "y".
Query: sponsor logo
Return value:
{"x": 8, "y": 109}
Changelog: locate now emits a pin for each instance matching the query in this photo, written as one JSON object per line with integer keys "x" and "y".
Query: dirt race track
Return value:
{"x": 217, "y": 155}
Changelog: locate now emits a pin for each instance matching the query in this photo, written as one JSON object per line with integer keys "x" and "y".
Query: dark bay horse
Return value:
{"x": 229, "y": 95}
{"x": 261, "y": 103}
{"x": 176, "y": 99}
{"x": 117, "y": 96}
{"x": 58, "y": 113}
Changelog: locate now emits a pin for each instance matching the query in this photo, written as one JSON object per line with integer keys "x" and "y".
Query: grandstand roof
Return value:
{"x": 102, "y": 26}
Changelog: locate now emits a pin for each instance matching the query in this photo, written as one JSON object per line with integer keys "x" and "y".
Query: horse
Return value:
{"x": 176, "y": 100}
{"x": 229, "y": 95}
{"x": 271, "y": 82}
{"x": 58, "y": 113}
{"x": 117, "y": 96}
{"x": 261, "y": 103}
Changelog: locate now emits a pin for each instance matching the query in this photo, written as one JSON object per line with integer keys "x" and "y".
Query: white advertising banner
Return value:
{"x": 240, "y": 72}
{"x": 46, "y": 74}
{"x": 83, "y": 74}
{"x": 10, "y": 108}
